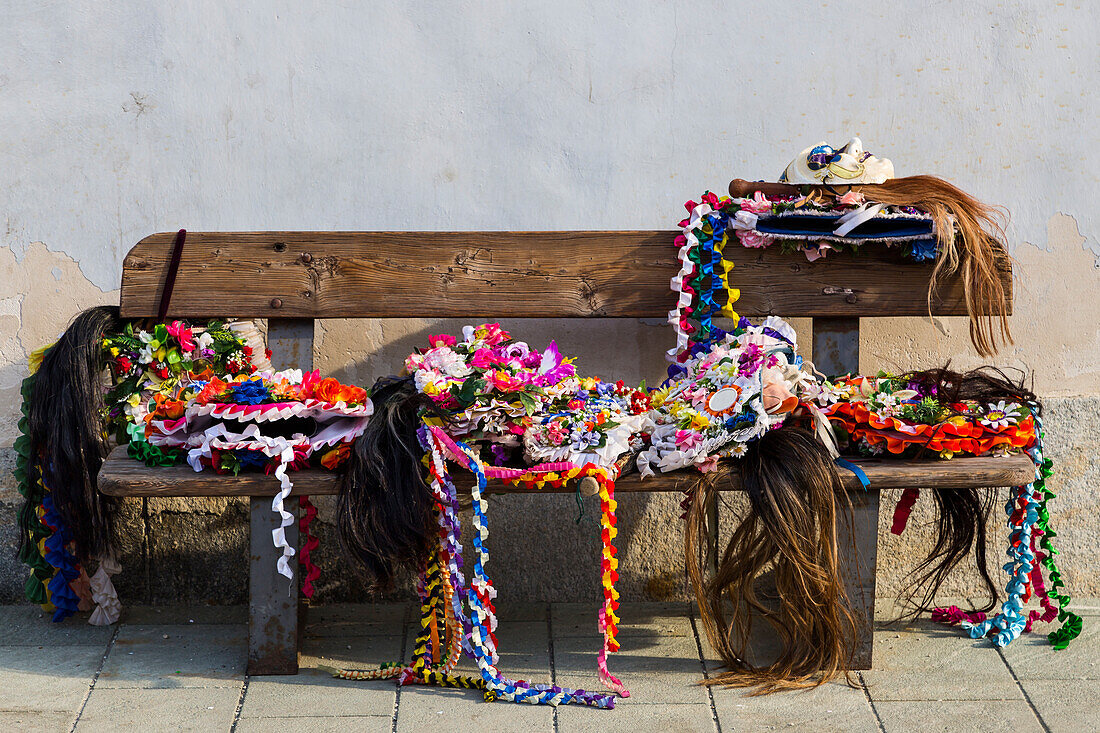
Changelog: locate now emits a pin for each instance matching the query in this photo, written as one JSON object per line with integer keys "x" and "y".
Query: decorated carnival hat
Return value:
{"x": 848, "y": 165}
{"x": 261, "y": 420}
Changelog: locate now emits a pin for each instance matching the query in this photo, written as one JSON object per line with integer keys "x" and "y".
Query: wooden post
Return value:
{"x": 272, "y": 599}
{"x": 836, "y": 352}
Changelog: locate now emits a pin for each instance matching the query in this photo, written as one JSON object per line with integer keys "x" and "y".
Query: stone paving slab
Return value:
{"x": 937, "y": 663}
{"x": 47, "y": 678}
{"x": 313, "y": 692}
{"x": 831, "y": 707}
{"x": 953, "y": 716}
{"x": 1031, "y": 657}
{"x": 1066, "y": 706}
{"x": 926, "y": 677}
{"x": 40, "y": 721}
{"x": 631, "y": 717}
{"x": 165, "y": 655}
{"x": 642, "y": 620}
{"x": 465, "y": 711}
{"x": 162, "y": 709}
{"x": 342, "y": 724}
{"x": 665, "y": 671}
{"x": 349, "y": 619}
{"x": 26, "y": 625}
{"x": 184, "y": 615}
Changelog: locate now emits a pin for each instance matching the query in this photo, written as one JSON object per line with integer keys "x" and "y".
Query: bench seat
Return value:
{"x": 123, "y": 476}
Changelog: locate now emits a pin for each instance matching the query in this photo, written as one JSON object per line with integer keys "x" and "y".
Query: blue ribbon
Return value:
{"x": 856, "y": 470}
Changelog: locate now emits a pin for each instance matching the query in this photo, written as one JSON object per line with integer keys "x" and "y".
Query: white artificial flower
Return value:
{"x": 828, "y": 394}
{"x": 446, "y": 361}
{"x": 1001, "y": 415}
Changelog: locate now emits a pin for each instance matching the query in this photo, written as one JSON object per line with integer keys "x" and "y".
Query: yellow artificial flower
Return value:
{"x": 699, "y": 421}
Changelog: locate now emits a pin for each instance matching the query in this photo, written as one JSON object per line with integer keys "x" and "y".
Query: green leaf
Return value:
{"x": 530, "y": 404}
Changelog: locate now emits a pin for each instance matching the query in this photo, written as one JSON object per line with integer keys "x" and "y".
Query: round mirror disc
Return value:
{"x": 723, "y": 399}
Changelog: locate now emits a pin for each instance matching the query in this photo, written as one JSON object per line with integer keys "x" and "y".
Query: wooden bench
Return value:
{"x": 293, "y": 278}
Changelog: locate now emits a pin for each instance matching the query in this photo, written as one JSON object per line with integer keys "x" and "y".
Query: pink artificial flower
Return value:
{"x": 183, "y": 335}
{"x": 687, "y": 439}
{"x": 492, "y": 334}
{"x": 506, "y": 382}
{"x": 482, "y": 359}
{"x": 852, "y": 198}
{"x": 560, "y": 373}
{"x": 515, "y": 353}
{"x": 554, "y": 433}
{"x": 710, "y": 198}
{"x": 754, "y": 239}
{"x": 711, "y": 464}
{"x": 816, "y": 253}
{"x": 309, "y": 381}
{"x": 441, "y": 339}
{"x": 758, "y": 204}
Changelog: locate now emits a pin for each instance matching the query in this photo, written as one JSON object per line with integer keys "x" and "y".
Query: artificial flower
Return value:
{"x": 754, "y": 239}
{"x": 441, "y": 339}
{"x": 182, "y": 333}
{"x": 758, "y": 204}
{"x": 1001, "y": 415}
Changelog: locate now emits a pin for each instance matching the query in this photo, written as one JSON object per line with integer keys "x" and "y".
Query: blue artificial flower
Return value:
{"x": 922, "y": 249}
{"x": 251, "y": 392}
{"x": 251, "y": 458}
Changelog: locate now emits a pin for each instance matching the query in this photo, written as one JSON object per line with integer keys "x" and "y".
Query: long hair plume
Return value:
{"x": 67, "y": 433}
{"x": 979, "y": 249}
{"x": 796, "y": 497}
{"x": 970, "y": 236}
{"x": 962, "y": 514}
{"x": 384, "y": 507}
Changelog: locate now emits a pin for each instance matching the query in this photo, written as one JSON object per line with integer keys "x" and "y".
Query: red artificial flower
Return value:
{"x": 441, "y": 339}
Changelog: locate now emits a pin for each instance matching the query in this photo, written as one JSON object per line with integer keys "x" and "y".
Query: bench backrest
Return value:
{"x": 491, "y": 275}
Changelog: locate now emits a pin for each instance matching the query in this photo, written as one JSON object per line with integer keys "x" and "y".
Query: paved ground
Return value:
{"x": 173, "y": 669}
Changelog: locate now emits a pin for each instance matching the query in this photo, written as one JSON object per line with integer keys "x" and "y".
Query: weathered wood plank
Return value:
{"x": 121, "y": 476}
{"x": 272, "y": 599}
{"x": 503, "y": 274}
{"x": 273, "y": 615}
{"x": 858, "y": 545}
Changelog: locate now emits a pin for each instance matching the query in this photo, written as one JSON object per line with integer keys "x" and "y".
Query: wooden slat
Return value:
{"x": 122, "y": 476}
{"x": 503, "y": 274}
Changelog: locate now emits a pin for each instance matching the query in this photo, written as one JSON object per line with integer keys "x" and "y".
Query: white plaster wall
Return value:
{"x": 125, "y": 118}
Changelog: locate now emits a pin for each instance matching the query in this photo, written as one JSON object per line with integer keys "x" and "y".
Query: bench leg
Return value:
{"x": 272, "y": 599}
{"x": 858, "y": 547}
